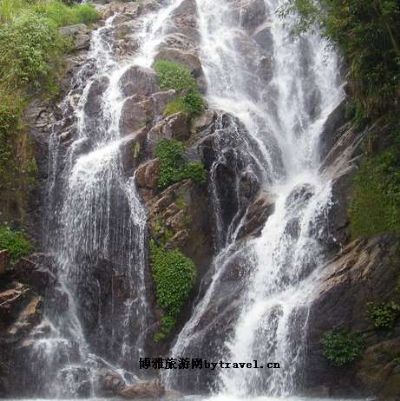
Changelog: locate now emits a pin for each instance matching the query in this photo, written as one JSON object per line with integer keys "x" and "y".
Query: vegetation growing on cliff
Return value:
{"x": 173, "y": 275}
{"x": 173, "y": 165}
{"x": 31, "y": 50}
{"x": 375, "y": 207}
{"x": 342, "y": 347}
{"x": 15, "y": 242}
{"x": 178, "y": 77}
{"x": 383, "y": 315}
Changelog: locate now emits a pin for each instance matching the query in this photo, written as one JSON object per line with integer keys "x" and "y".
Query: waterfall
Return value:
{"x": 272, "y": 94}
{"x": 283, "y": 111}
{"x": 96, "y": 226}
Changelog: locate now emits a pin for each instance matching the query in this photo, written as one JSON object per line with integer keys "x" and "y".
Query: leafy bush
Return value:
{"x": 375, "y": 205}
{"x": 341, "y": 347}
{"x": 383, "y": 315}
{"x": 173, "y": 165}
{"x": 8, "y": 123}
{"x": 15, "y": 242}
{"x": 57, "y": 11}
{"x": 173, "y": 275}
{"x": 178, "y": 77}
{"x": 29, "y": 49}
{"x": 63, "y": 15}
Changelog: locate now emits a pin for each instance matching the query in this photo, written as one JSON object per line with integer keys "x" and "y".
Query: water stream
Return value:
{"x": 273, "y": 97}
{"x": 284, "y": 114}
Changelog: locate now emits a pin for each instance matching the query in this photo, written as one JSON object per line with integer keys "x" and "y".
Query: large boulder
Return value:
{"x": 146, "y": 176}
{"x": 138, "y": 81}
{"x": 78, "y": 34}
{"x": 257, "y": 215}
{"x": 135, "y": 115}
{"x": 152, "y": 389}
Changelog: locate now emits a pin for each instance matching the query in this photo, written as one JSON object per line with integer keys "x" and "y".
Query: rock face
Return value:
{"x": 200, "y": 220}
{"x": 366, "y": 271}
{"x": 181, "y": 214}
{"x": 153, "y": 389}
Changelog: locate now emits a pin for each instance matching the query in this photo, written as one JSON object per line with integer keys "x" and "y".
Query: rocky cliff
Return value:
{"x": 196, "y": 218}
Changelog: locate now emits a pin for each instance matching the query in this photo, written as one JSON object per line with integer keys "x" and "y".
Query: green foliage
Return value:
{"x": 367, "y": 32}
{"x": 383, "y": 315}
{"x": 15, "y": 242}
{"x": 173, "y": 275}
{"x": 178, "y": 77}
{"x": 175, "y": 106}
{"x": 167, "y": 324}
{"x": 8, "y": 124}
{"x": 55, "y": 10}
{"x": 64, "y": 15}
{"x": 341, "y": 347}
{"x": 173, "y": 165}
{"x": 174, "y": 76}
{"x": 29, "y": 48}
{"x": 375, "y": 205}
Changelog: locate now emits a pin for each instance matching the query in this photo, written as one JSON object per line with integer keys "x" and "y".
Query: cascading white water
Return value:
{"x": 97, "y": 224}
{"x": 284, "y": 115}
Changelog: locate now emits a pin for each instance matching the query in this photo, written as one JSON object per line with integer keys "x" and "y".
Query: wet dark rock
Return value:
{"x": 135, "y": 115}
{"x": 109, "y": 383}
{"x": 79, "y": 34}
{"x": 146, "y": 176}
{"x": 220, "y": 316}
{"x": 252, "y": 14}
{"x": 160, "y": 100}
{"x": 184, "y": 22}
{"x": 93, "y": 107}
{"x": 152, "y": 389}
{"x": 263, "y": 37}
{"x": 331, "y": 130}
{"x": 176, "y": 126}
{"x": 182, "y": 209}
{"x": 257, "y": 215}
{"x": 365, "y": 271}
{"x": 133, "y": 150}
{"x": 138, "y": 81}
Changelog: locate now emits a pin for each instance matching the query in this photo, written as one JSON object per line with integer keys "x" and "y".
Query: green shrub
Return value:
{"x": 341, "y": 347}
{"x": 175, "y": 106}
{"x": 173, "y": 165}
{"x": 166, "y": 326}
{"x": 15, "y": 242}
{"x": 57, "y": 11}
{"x": 375, "y": 205}
{"x": 173, "y": 275}
{"x": 174, "y": 76}
{"x": 383, "y": 315}
{"x": 8, "y": 124}
{"x": 63, "y": 15}
{"x": 30, "y": 48}
{"x": 178, "y": 77}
